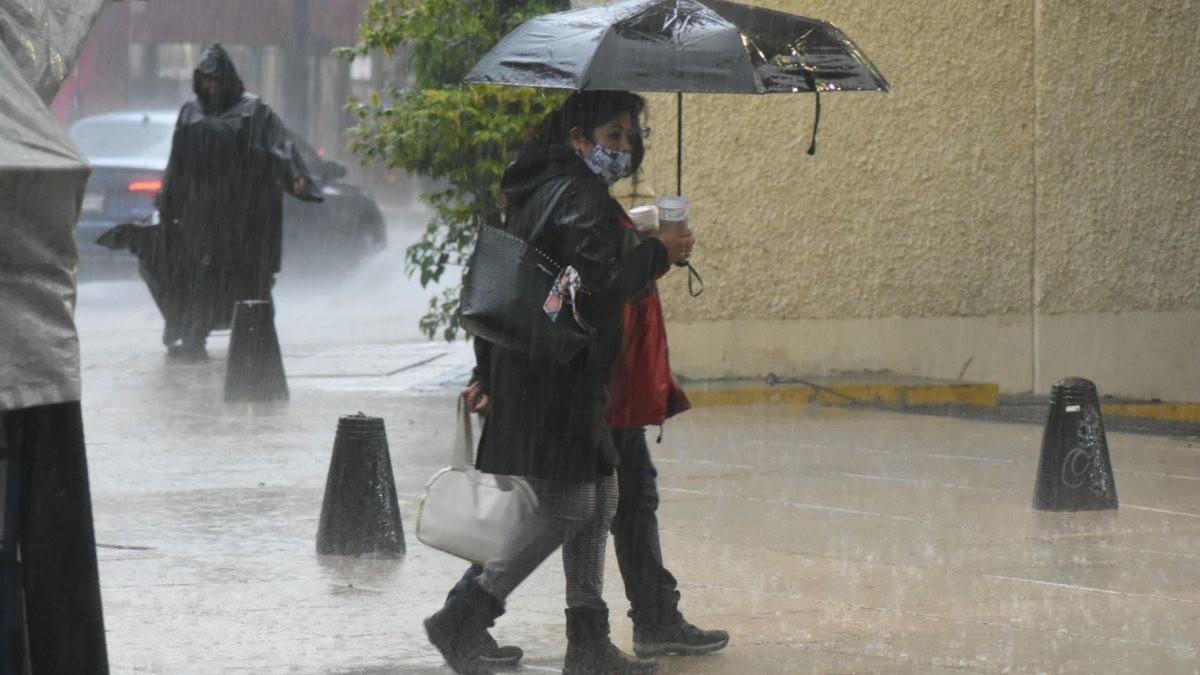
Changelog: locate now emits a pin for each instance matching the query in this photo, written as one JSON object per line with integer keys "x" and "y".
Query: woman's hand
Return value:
{"x": 678, "y": 240}
{"x": 477, "y": 401}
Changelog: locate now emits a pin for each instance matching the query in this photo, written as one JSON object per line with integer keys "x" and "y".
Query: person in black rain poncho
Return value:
{"x": 221, "y": 205}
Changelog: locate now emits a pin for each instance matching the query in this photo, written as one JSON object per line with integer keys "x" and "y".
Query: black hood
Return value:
{"x": 537, "y": 163}
{"x": 216, "y": 64}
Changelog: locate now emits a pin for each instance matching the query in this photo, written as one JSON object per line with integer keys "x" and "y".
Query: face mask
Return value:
{"x": 610, "y": 165}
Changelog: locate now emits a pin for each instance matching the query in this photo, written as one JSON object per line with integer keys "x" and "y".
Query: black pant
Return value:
{"x": 48, "y": 516}
{"x": 649, "y": 587}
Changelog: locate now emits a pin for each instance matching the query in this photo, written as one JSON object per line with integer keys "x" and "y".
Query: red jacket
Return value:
{"x": 644, "y": 392}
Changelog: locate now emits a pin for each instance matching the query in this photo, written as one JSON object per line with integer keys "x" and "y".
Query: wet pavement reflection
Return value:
{"x": 824, "y": 540}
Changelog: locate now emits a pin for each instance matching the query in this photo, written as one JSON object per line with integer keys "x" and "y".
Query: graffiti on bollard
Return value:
{"x": 1074, "y": 469}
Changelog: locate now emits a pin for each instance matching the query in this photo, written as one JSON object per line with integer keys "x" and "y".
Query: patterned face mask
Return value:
{"x": 610, "y": 165}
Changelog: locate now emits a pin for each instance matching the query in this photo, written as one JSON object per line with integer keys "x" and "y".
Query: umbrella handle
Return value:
{"x": 679, "y": 142}
{"x": 812, "y": 84}
{"x": 693, "y": 275}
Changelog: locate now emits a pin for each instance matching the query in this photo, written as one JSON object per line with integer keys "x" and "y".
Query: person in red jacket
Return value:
{"x": 645, "y": 393}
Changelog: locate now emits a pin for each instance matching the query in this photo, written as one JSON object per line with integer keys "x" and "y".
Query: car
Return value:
{"x": 128, "y": 152}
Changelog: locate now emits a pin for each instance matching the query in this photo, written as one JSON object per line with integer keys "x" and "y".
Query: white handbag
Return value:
{"x": 468, "y": 513}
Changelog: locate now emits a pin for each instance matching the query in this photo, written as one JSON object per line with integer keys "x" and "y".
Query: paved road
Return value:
{"x": 825, "y": 540}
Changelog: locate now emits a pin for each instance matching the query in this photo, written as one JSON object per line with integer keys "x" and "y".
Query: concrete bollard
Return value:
{"x": 360, "y": 515}
{"x": 1074, "y": 472}
{"x": 254, "y": 369}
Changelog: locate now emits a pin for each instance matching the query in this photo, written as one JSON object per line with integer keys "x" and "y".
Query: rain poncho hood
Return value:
{"x": 215, "y": 64}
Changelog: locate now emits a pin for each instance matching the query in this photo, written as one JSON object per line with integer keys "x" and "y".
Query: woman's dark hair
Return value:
{"x": 587, "y": 110}
{"x": 638, "y": 154}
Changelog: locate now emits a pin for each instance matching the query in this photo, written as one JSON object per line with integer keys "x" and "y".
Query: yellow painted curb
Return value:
{"x": 1171, "y": 412}
{"x": 985, "y": 394}
{"x": 886, "y": 394}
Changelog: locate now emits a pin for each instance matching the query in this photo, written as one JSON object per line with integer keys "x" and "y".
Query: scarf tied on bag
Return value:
{"x": 565, "y": 290}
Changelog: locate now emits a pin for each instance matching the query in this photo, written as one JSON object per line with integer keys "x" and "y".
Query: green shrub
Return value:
{"x": 459, "y": 136}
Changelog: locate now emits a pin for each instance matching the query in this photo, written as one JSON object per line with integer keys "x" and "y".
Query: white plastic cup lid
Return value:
{"x": 673, "y": 208}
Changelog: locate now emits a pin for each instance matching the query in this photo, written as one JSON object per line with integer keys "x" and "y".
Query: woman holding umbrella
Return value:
{"x": 546, "y": 420}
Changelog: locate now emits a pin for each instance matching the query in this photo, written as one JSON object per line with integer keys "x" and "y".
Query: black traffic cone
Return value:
{"x": 360, "y": 515}
{"x": 1074, "y": 472}
{"x": 254, "y": 369}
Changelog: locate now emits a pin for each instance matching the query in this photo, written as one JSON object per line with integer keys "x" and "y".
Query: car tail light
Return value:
{"x": 145, "y": 186}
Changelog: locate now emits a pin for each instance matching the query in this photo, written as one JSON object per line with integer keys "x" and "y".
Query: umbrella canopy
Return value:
{"x": 682, "y": 46}
{"x": 43, "y": 37}
{"x": 694, "y": 46}
{"x": 42, "y": 179}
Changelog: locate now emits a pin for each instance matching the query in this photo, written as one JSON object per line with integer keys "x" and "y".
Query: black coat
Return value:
{"x": 221, "y": 202}
{"x": 547, "y": 419}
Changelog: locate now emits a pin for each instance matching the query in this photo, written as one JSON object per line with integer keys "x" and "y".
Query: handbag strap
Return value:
{"x": 555, "y": 196}
{"x": 464, "y": 443}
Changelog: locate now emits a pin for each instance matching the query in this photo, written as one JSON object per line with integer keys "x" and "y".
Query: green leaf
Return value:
{"x": 460, "y": 137}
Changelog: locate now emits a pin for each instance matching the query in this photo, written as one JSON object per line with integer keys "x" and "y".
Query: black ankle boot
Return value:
{"x": 669, "y": 633}
{"x": 457, "y": 629}
{"x": 489, "y": 652}
{"x": 590, "y": 651}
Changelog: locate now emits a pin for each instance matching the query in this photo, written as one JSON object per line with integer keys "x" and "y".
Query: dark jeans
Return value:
{"x": 649, "y": 587}
{"x": 59, "y": 627}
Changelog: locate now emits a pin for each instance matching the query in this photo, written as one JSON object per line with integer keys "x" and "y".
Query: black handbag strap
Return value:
{"x": 547, "y": 213}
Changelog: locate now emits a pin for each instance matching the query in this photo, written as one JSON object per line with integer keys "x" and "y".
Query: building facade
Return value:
{"x": 1023, "y": 206}
{"x": 140, "y": 56}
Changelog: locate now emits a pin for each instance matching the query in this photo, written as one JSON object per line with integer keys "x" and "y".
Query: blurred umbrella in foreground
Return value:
{"x": 51, "y": 619}
{"x": 44, "y": 36}
{"x": 682, "y": 46}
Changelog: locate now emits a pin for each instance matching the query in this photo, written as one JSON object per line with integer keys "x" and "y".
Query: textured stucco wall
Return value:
{"x": 918, "y": 202}
{"x": 1117, "y": 231}
{"x": 1035, "y": 159}
{"x": 1118, "y": 152}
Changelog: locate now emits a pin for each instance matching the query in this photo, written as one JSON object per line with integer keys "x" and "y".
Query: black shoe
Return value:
{"x": 676, "y": 636}
{"x": 590, "y": 651}
{"x": 491, "y": 653}
{"x": 457, "y": 629}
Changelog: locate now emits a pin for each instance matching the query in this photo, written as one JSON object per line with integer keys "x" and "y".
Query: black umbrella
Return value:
{"x": 683, "y": 46}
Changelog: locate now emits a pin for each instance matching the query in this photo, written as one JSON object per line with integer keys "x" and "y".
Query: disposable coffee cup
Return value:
{"x": 645, "y": 218}
{"x": 673, "y": 212}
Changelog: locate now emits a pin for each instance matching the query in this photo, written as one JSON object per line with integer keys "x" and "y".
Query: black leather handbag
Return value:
{"x": 505, "y": 289}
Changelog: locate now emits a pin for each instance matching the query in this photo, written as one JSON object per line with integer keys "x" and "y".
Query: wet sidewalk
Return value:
{"x": 824, "y": 539}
